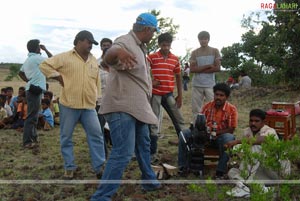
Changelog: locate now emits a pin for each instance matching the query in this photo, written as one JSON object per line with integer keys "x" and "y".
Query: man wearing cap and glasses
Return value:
{"x": 126, "y": 107}
{"x": 78, "y": 73}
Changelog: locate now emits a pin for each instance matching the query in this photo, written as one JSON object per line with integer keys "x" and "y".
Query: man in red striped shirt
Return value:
{"x": 165, "y": 69}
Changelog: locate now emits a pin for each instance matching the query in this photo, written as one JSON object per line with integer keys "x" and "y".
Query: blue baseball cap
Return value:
{"x": 147, "y": 19}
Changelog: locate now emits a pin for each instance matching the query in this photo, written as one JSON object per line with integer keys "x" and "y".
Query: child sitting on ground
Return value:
{"x": 3, "y": 113}
{"x": 21, "y": 115}
{"x": 46, "y": 121}
{"x": 53, "y": 106}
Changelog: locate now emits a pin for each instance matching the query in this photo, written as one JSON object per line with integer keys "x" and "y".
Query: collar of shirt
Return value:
{"x": 161, "y": 55}
{"x": 32, "y": 53}
{"x": 223, "y": 108}
{"x": 76, "y": 53}
{"x": 139, "y": 42}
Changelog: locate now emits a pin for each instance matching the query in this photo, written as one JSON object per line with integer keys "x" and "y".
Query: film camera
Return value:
{"x": 200, "y": 137}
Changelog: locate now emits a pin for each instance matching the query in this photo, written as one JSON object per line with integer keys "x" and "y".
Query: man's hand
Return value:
{"x": 178, "y": 101}
{"x": 60, "y": 80}
{"x": 155, "y": 82}
{"x": 127, "y": 59}
{"x": 43, "y": 47}
{"x": 230, "y": 144}
{"x": 23, "y": 76}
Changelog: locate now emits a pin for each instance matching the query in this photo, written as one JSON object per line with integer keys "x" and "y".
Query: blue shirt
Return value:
{"x": 12, "y": 106}
{"x": 48, "y": 116}
{"x": 32, "y": 71}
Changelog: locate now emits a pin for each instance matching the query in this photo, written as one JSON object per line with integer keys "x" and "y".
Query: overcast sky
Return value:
{"x": 56, "y": 22}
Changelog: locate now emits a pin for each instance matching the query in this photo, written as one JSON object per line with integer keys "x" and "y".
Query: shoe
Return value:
{"x": 156, "y": 188}
{"x": 31, "y": 145}
{"x": 182, "y": 172}
{"x": 99, "y": 175}
{"x": 267, "y": 189}
{"x": 28, "y": 146}
{"x": 240, "y": 191}
{"x": 69, "y": 174}
{"x": 224, "y": 177}
{"x": 173, "y": 142}
{"x": 220, "y": 176}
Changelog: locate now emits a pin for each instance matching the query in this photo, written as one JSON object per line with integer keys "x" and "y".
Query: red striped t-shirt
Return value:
{"x": 163, "y": 69}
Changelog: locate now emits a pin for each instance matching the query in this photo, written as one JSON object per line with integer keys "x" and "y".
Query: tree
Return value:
{"x": 184, "y": 59}
{"x": 272, "y": 44}
{"x": 288, "y": 27}
{"x": 232, "y": 57}
{"x": 165, "y": 25}
{"x": 13, "y": 72}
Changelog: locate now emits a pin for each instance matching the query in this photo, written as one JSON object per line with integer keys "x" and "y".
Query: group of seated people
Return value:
{"x": 223, "y": 114}
{"x": 13, "y": 110}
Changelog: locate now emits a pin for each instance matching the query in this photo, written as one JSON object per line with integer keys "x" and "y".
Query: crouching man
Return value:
{"x": 259, "y": 131}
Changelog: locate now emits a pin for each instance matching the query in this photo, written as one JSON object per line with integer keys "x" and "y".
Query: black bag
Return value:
{"x": 35, "y": 89}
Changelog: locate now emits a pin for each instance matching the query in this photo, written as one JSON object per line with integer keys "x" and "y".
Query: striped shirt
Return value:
{"x": 163, "y": 69}
{"x": 225, "y": 117}
{"x": 204, "y": 56}
{"x": 81, "y": 78}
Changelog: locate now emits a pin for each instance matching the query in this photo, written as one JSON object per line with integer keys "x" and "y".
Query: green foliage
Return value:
{"x": 285, "y": 192}
{"x": 13, "y": 72}
{"x": 257, "y": 193}
{"x": 211, "y": 189}
{"x": 278, "y": 151}
{"x": 272, "y": 43}
{"x": 195, "y": 188}
{"x": 275, "y": 157}
{"x": 232, "y": 58}
{"x": 165, "y": 25}
{"x": 185, "y": 59}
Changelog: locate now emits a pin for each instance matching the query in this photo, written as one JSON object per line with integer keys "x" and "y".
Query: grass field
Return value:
{"x": 41, "y": 169}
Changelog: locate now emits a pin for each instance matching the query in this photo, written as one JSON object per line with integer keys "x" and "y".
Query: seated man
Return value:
{"x": 224, "y": 117}
{"x": 259, "y": 131}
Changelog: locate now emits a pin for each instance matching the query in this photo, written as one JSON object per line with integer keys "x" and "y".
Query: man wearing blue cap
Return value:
{"x": 127, "y": 109}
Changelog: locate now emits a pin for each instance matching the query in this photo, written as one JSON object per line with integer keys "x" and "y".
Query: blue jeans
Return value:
{"x": 69, "y": 117}
{"x": 185, "y": 84}
{"x": 218, "y": 143}
{"x": 30, "y": 124}
{"x": 128, "y": 135}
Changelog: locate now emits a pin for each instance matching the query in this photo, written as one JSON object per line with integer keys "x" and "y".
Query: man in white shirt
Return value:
{"x": 259, "y": 131}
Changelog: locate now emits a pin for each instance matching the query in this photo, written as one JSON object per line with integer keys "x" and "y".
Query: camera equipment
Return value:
{"x": 197, "y": 142}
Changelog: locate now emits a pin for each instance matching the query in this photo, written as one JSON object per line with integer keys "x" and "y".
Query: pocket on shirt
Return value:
{"x": 93, "y": 72}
